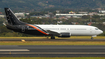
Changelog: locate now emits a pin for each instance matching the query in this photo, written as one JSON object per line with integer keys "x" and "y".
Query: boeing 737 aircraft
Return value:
{"x": 49, "y": 30}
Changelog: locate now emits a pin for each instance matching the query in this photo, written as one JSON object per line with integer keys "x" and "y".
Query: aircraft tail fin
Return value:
{"x": 11, "y": 18}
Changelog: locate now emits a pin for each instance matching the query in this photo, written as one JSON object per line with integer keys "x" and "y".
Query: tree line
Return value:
{"x": 4, "y": 32}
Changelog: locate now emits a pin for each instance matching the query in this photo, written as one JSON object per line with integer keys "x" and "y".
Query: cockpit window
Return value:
{"x": 96, "y": 28}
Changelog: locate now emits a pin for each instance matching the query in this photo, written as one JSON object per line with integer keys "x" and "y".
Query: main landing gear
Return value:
{"x": 52, "y": 37}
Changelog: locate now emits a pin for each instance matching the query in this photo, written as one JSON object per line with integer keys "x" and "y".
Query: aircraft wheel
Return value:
{"x": 91, "y": 37}
{"x": 52, "y": 37}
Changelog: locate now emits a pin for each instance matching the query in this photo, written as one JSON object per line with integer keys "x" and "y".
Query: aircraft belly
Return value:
{"x": 34, "y": 32}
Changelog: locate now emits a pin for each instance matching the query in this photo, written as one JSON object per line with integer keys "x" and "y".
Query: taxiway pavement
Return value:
{"x": 52, "y": 51}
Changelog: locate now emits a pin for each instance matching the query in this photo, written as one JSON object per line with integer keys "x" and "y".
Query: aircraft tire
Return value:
{"x": 91, "y": 37}
{"x": 52, "y": 37}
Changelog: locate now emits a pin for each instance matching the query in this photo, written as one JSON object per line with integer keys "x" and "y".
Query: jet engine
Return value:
{"x": 64, "y": 35}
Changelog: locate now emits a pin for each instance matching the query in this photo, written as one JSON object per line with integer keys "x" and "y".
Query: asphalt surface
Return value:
{"x": 52, "y": 51}
{"x": 52, "y": 39}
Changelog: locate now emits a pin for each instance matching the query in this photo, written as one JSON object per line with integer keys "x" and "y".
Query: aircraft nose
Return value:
{"x": 101, "y": 31}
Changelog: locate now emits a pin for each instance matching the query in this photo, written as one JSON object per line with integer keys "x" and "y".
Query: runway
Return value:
{"x": 52, "y": 39}
{"x": 52, "y": 51}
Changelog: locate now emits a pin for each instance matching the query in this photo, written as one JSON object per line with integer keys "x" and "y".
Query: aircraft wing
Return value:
{"x": 52, "y": 32}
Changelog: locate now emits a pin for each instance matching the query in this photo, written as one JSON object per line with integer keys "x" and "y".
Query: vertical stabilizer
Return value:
{"x": 11, "y": 18}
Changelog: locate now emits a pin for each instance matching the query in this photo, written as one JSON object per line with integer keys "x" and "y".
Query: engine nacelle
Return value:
{"x": 64, "y": 35}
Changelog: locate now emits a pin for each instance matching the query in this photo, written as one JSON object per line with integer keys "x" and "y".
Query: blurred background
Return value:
{"x": 69, "y": 12}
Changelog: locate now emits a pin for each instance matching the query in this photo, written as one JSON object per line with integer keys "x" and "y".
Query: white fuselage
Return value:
{"x": 74, "y": 30}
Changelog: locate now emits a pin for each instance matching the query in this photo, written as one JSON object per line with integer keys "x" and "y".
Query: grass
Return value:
{"x": 53, "y": 42}
{"x": 52, "y": 57}
{"x": 22, "y": 37}
{"x": 50, "y": 43}
{"x": 72, "y": 37}
{"x": 84, "y": 37}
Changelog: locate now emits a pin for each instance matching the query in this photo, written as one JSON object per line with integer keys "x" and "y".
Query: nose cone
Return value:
{"x": 101, "y": 31}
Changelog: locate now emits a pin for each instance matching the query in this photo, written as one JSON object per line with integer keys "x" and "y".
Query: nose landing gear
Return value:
{"x": 91, "y": 37}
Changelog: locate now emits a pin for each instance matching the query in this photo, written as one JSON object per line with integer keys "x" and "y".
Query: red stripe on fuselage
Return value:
{"x": 37, "y": 29}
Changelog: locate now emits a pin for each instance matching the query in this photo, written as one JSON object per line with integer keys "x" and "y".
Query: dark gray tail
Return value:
{"x": 11, "y": 18}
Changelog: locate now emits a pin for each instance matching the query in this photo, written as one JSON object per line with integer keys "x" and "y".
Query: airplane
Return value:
{"x": 13, "y": 23}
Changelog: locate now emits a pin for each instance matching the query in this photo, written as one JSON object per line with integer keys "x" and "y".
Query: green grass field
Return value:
{"x": 53, "y": 42}
{"x": 52, "y": 57}
{"x": 50, "y": 43}
{"x": 72, "y": 37}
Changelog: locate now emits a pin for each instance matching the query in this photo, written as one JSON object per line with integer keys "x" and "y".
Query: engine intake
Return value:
{"x": 64, "y": 35}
